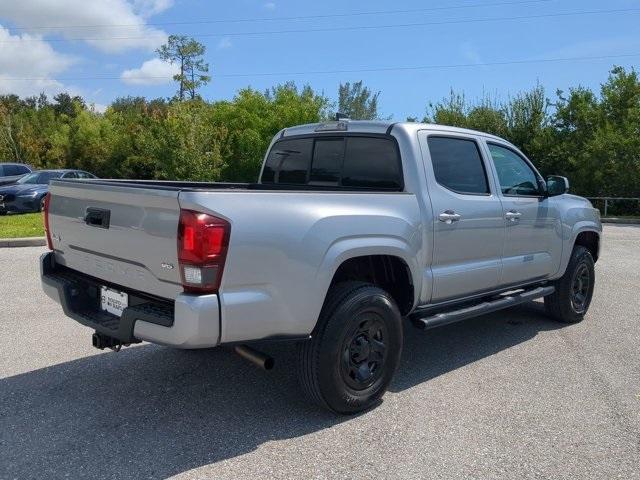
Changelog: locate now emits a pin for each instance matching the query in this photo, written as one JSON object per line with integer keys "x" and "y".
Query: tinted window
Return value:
{"x": 70, "y": 175}
{"x": 371, "y": 162}
{"x": 288, "y": 161}
{"x": 515, "y": 175}
{"x": 327, "y": 161}
{"x": 367, "y": 162}
{"x": 457, "y": 165}
{"x": 85, "y": 175}
{"x": 41, "y": 178}
{"x": 10, "y": 170}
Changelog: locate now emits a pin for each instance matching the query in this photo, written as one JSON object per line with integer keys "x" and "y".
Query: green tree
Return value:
{"x": 188, "y": 54}
{"x": 67, "y": 105}
{"x": 596, "y": 141}
{"x": 91, "y": 140}
{"x": 527, "y": 118}
{"x": 357, "y": 101}
{"x": 188, "y": 143}
{"x": 10, "y": 131}
{"x": 253, "y": 118}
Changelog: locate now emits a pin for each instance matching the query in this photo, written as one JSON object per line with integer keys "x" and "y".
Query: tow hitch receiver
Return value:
{"x": 101, "y": 342}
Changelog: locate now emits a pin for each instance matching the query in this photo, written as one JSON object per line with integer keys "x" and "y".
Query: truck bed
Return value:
{"x": 282, "y": 248}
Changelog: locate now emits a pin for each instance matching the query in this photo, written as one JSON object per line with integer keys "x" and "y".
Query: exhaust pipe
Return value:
{"x": 260, "y": 359}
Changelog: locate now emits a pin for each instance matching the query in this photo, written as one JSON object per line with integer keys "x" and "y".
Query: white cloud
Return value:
{"x": 110, "y": 25}
{"x": 224, "y": 43}
{"x": 28, "y": 65}
{"x": 152, "y": 72}
{"x": 146, "y": 8}
{"x": 270, "y": 6}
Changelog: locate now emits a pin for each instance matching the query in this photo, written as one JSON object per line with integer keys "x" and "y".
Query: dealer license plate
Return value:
{"x": 113, "y": 301}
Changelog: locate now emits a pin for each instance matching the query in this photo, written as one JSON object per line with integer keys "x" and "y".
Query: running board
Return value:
{"x": 487, "y": 306}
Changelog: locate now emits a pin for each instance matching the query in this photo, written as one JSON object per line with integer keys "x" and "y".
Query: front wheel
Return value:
{"x": 348, "y": 364}
{"x": 571, "y": 300}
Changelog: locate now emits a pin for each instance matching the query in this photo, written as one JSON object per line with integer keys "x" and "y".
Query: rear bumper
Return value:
{"x": 191, "y": 321}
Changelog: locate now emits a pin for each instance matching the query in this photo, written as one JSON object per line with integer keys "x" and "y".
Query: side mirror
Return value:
{"x": 557, "y": 185}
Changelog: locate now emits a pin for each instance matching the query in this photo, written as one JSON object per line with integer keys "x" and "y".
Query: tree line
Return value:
{"x": 591, "y": 137}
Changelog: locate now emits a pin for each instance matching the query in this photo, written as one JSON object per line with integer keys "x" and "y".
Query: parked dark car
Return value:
{"x": 12, "y": 172}
{"x": 27, "y": 194}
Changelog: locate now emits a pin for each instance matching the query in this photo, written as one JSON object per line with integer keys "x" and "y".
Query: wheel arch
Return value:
{"x": 590, "y": 239}
{"x": 387, "y": 262}
{"x": 584, "y": 234}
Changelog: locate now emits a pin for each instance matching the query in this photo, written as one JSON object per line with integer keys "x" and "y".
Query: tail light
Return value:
{"x": 45, "y": 219}
{"x": 203, "y": 241}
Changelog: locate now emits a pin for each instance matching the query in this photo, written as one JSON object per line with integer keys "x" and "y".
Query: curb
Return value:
{"x": 23, "y": 242}
{"x": 621, "y": 221}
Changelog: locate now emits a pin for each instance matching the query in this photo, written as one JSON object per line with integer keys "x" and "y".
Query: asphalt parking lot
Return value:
{"x": 508, "y": 395}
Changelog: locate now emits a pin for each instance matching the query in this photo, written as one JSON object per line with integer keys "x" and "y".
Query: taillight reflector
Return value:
{"x": 203, "y": 240}
{"x": 45, "y": 218}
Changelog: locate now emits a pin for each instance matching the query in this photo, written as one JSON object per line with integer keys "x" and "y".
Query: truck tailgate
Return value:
{"x": 123, "y": 234}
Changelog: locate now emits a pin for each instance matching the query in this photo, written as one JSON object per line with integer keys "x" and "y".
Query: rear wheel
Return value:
{"x": 571, "y": 300}
{"x": 348, "y": 364}
{"x": 41, "y": 204}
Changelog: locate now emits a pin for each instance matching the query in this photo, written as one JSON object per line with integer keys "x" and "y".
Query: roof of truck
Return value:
{"x": 375, "y": 126}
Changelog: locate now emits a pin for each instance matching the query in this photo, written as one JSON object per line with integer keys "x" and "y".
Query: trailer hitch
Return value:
{"x": 101, "y": 342}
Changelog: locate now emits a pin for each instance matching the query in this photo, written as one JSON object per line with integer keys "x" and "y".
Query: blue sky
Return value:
{"x": 98, "y": 48}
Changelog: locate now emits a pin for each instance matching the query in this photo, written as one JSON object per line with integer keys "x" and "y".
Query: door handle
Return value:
{"x": 512, "y": 215}
{"x": 97, "y": 217}
{"x": 448, "y": 217}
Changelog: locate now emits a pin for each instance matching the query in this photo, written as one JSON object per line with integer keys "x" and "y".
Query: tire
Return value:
{"x": 2, "y": 213}
{"x": 574, "y": 290}
{"x": 41, "y": 204}
{"x": 354, "y": 351}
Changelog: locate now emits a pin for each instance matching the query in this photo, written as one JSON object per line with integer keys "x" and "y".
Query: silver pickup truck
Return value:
{"x": 353, "y": 228}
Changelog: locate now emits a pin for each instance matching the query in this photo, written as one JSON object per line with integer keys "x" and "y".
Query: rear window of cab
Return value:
{"x": 348, "y": 161}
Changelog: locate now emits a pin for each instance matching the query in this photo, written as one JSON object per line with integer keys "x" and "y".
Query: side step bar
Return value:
{"x": 498, "y": 303}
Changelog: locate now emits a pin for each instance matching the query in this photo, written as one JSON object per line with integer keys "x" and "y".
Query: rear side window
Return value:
{"x": 288, "y": 162}
{"x": 85, "y": 175}
{"x": 11, "y": 170}
{"x": 457, "y": 165}
{"x": 373, "y": 163}
{"x": 351, "y": 161}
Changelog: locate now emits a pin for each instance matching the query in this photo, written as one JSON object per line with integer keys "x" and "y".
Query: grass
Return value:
{"x": 25, "y": 225}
